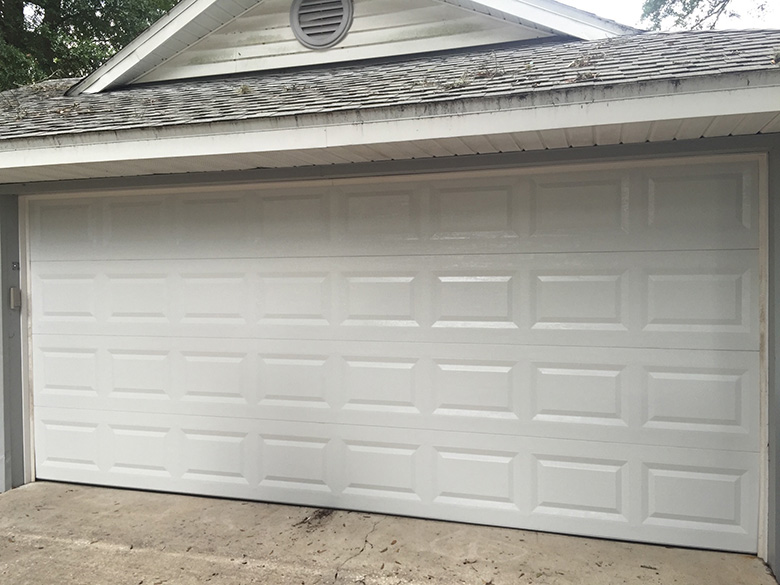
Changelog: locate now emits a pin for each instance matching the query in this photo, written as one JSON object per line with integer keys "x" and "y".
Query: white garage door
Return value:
{"x": 573, "y": 350}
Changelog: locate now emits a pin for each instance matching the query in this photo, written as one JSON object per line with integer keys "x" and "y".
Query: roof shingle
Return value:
{"x": 501, "y": 71}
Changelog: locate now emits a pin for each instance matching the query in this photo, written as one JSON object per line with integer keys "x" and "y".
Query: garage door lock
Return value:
{"x": 15, "y": 298}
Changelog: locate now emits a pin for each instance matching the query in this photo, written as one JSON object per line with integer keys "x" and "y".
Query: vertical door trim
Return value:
{"x": 763, "y": 252}
{"x": 26, "y": 338}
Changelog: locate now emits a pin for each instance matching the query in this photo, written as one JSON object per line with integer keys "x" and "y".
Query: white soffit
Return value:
{"x": 191, "y": 21}
{"x": 324, "y": 140}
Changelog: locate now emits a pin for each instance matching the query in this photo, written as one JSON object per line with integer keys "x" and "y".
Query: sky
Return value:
{"x": 630, "y": 11}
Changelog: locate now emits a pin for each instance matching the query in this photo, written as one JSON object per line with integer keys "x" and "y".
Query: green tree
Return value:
{"x": 689, "y": 14}
{"x": 67, "y": 38}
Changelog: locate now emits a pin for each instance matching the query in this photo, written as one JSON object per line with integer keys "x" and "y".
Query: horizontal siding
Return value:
{"x": 262, "y": 39}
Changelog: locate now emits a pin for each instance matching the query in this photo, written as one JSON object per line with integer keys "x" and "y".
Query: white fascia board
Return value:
{"x": 155, "y": 37}
{"x": 345, "y": 130}
{"x": 560, "y": 18}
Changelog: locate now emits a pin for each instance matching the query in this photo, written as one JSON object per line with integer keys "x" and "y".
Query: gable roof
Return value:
{"x": 523, "y": 96}
{"x": 517, "y": 71}
{"x": 191, "y": 21}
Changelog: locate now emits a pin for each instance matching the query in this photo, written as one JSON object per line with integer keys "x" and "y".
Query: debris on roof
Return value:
{"x": 486, "y": 72}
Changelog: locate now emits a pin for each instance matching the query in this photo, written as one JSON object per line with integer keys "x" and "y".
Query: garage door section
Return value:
{"x": 571, "y": 349}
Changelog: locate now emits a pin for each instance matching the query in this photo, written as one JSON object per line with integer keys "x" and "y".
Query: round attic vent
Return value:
{"x": 320, "y": 24}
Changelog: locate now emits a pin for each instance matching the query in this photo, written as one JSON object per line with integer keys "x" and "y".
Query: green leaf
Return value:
{"x": 67, "y": 38}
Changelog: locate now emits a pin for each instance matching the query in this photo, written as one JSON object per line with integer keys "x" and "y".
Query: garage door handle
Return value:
{"x": 15, "y": 298}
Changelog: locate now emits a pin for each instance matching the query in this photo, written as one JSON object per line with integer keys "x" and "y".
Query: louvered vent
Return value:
{"x": 320, "y": 24}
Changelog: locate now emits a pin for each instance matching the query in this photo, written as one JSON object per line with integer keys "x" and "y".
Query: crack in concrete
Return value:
{"x": 358, "y": 553}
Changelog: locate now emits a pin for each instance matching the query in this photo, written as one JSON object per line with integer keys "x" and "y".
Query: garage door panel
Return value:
{"x": 681, "y": 299}
{"x": 714, "y": 199}
{"x": 706, "y": 492}
{"x": 659, "y": 397}
{"x": 537, "y": 483}
{"x": 519, "y": 211}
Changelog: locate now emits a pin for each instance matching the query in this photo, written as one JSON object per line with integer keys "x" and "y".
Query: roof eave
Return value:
{"x": 580, "y": 116}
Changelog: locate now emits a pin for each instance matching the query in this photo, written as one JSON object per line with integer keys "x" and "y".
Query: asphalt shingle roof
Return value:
{"x": 502, "y": 71}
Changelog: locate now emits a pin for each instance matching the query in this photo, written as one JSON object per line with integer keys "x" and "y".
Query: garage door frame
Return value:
{"x": 761, "y": 158}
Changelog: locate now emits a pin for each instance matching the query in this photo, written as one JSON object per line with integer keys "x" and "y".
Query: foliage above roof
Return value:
{"x": 41, "y": 39}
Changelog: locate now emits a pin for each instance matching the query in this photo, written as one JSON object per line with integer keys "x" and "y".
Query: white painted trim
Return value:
{"x": 28, "y": 427}
{"x": 643, "y": 162}
{"x": 328, "y": 131}
{"x": 558, "y": 17}
{"x": 765, "y": 308}
{"x": 5, "y": 461}
{"x": 155, "y": 37}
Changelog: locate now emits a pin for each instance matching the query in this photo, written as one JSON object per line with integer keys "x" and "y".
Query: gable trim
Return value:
{"x": 185, "y": 24}
{"x": 551, "y": 16}
{"x": 192, "y": 20}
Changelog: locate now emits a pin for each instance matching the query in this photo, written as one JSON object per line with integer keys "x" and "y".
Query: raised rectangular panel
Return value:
{"x": 68, "y": 372}
{"x": 578, "y": 394}
{"x": 67, "y": 297}
{"x": 205, "y": 220}
{"x": 141, "y": 374}
{"x": 141, "y": 298}
{"x": 386, "y": 301}
{"x": 586, "y": 488}
{"x": 294, "y": 463}
{"x": 384, "y": 215}
{"x": 381, "y": 469}
{"x": 586, "y": 206}
{"x": 63, "y": 227}
{"x": 476, "y": 389}
{"x": 461, "y": 212}
{"x": 693, "y": 497}
{"x": 382, "y": 385}
{"x": 293, "y": 380}
{"x": 693, "y": 301}
{"x": 714, "y": 203}
{"x": 295, "y": 299}
{"x": 136, "y": 223}
{"x": 140, "y": 450}
{"x": 695, "y": 399}
{"x": 295, "y": 218}
{"x": 474, "y": 478}
{"x": 207, "y": 298}
{"x": 215, "y": 377}
{"x": 469, "y": 301}
{"x": 70, "y": 445}
{"x": 579, "y": 301}
{"x": 214, "y": 456}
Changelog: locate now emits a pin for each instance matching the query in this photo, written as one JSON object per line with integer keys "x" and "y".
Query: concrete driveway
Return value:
{"x": 60, "y": 534}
